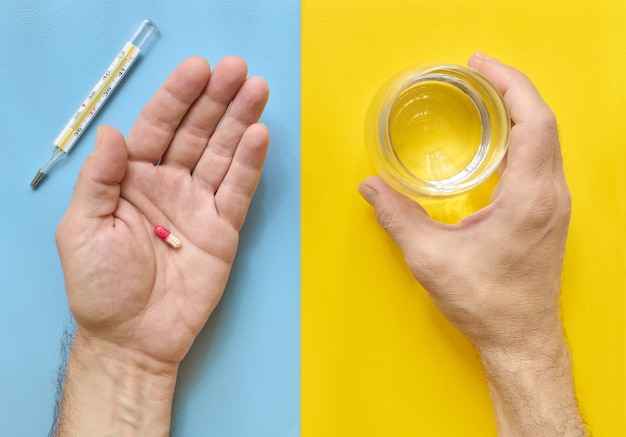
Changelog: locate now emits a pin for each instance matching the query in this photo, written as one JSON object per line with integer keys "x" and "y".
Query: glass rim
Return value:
{"x": 494, "y": 116}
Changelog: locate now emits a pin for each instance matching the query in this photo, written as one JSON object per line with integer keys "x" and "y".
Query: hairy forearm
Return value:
{"x": 532, "y": 390}
{"x": 110, "y": 392}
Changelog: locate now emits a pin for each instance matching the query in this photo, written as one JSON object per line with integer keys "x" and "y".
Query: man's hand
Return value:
{"x": 496, "y": 275}
{"x": 191, "y": 163}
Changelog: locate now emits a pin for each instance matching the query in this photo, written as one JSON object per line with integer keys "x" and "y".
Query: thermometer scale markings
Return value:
{"x": 106, "y": 84}
{"x": 99, "y": 93}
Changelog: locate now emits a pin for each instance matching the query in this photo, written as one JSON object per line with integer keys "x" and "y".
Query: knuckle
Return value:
{"x": 548, "y": 116}
{"x": 543, "y": 210}
{"x": 553, "y": 205}
{"x": 387, "y": 217}
{"x": 547, "y": 122}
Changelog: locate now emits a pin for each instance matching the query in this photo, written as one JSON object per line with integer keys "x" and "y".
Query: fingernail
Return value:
{"x": 484, "y": 58}
{"x": 368, "y": 193}
{"x": 99, "y": 135}
{"x": 480, "y": 55}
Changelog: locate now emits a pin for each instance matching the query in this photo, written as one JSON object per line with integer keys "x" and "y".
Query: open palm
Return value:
{"x": 191, "y": 163}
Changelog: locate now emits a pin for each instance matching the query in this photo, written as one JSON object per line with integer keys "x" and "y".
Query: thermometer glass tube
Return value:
{"x": 97, "y": 97}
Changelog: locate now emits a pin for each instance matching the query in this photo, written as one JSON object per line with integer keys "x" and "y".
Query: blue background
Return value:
{"x": 241, "y": 378}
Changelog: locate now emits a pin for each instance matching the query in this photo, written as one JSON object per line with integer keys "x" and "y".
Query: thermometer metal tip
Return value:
{"x": 36, "y": 179}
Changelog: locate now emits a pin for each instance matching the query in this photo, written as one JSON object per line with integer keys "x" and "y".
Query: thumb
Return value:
{"x": 97, "y": 189}
{"x": 405, "y": 220}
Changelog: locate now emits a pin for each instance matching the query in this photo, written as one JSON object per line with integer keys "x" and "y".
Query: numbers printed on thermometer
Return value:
{"x": 96, "y": 97}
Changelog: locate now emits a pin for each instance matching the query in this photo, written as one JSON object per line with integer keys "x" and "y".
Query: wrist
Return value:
{"x": 526, "y": 364}
{"x": 115, "y": 390}
{"x": 523, "y": 328}
{"x": 532, "y": 388}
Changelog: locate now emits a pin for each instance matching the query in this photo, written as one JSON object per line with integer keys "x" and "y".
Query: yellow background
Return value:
{"x": 377, "y": 357}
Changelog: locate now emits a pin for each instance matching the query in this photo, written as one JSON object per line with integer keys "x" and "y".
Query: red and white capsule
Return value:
{"x": 167, "y": 236}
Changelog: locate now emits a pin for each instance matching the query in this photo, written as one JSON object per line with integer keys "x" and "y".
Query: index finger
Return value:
{"x": 533, "y": 144}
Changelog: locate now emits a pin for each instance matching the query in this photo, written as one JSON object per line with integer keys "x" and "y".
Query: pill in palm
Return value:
{"x": 167, "y": 236}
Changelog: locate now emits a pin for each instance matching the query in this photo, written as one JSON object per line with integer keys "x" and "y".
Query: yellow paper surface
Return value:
{"x": 377, "y": 357}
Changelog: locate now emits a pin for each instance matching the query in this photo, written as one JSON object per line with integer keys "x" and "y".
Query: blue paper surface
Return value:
{"x": 241, "y": 377}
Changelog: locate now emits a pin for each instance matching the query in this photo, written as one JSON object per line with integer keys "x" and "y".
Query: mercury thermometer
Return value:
{"x": 97, "y": 97}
